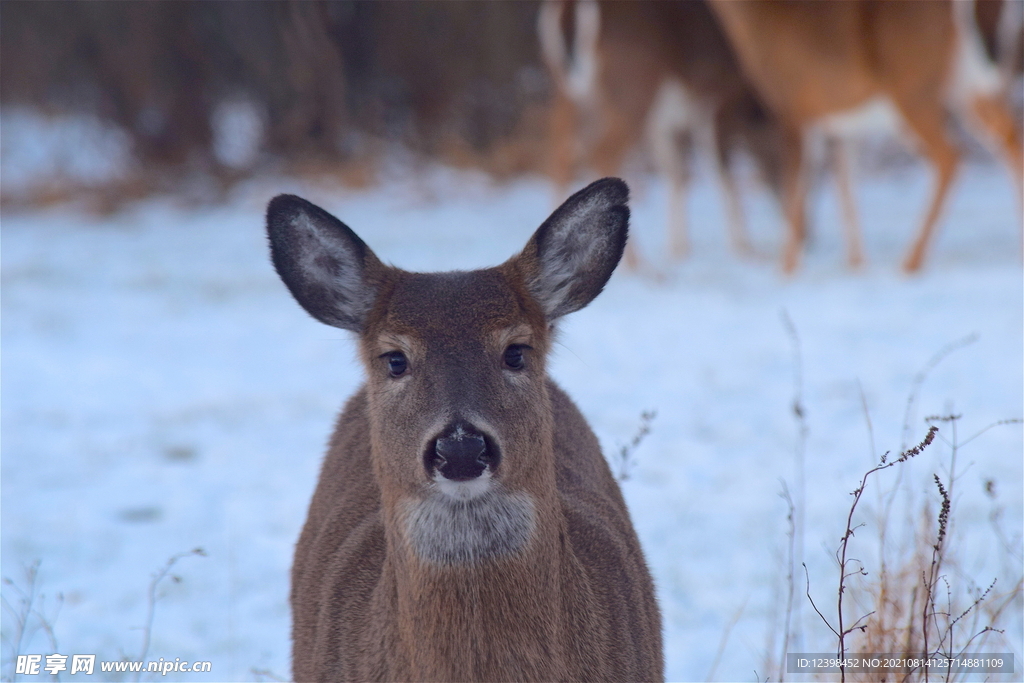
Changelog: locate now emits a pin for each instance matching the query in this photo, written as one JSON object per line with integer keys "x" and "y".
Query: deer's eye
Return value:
{"x": 514, "y": 357}
{"x": 397, "y": 363}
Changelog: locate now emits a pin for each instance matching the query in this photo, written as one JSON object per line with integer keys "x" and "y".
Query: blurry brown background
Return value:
{"x": 335, "y": 82}
{"x": 336, "y": 87}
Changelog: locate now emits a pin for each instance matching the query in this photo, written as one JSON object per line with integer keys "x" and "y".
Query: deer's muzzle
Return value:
{"x": 462, "y": 453}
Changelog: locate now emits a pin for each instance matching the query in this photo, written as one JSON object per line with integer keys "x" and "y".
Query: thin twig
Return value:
{"x": 922, "y": 374}
{"x": 809, "y": 598}
{"x": 800, "y": 415}
{"x": 21, "y": 616}
{"x": 933, "y": 574}
{"x": 967, "y": 611}
{"x": 159, "y": 576}
{"x": 845, "y": 541}
{"x": 725, "y": 639}
{"x": 47, "y": 623}
{"x": 867, "y": 419}
{"x": 790, "y": 579}
{"x": 627, "y": 454}
{"x": 1013, "y": 421}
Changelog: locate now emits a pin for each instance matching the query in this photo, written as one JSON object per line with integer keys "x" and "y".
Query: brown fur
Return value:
{"x": 810, "y": 59}
{"x": 576, "y": 602}
{"x": 641, "y": 46}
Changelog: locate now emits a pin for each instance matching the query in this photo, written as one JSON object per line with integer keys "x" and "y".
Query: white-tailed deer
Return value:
{"x": 812, "y": 61}
{"x": 465, "y": 525}
{"x": 660, "y": 72}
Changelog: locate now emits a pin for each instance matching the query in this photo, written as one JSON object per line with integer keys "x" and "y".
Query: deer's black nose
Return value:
{"x": 460, "y": 454}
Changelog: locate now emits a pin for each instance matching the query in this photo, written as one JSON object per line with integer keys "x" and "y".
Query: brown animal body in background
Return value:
{"x": 465, "y": 525}
{"x": 661, "y": 70}
{"x": 815, "y": 60}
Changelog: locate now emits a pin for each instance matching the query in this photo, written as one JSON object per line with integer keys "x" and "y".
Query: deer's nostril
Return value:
{"x": 461, "y": 459}
{"x": 460, "y": 455}
{"x": 464, "y": 448}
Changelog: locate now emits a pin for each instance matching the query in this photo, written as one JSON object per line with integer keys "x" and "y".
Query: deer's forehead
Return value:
{"x": 453, "y": 306}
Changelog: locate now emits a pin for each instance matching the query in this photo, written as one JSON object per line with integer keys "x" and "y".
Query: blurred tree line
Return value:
{"x": 334, "y": 83}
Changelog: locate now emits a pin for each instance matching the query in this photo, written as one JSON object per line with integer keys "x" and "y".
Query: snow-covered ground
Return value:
{"x": 162, "y": 391}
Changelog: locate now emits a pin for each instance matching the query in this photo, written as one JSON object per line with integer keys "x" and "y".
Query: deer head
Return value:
{"x": 460, "y": 419}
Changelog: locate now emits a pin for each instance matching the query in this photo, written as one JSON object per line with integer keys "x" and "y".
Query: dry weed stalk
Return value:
{"x": 842, "y": 552}
{"x": 790, "y": 579}
{"x": 912, "y": 608}
{"x": 266, "y": 675}
{"x": 152, "y": 597}
{"x": 726, "y": 632}
{"x": 922, "y": 374}
{"x": 626, "y": 457}
{"x": 29, "y": 616}
{"x": 793, "y": 622}
{"x": 916, "y": 611}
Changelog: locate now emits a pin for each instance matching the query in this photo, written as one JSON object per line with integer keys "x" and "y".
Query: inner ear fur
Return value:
{"x": 569, "y": 259}
{"x": 328, "y": 269}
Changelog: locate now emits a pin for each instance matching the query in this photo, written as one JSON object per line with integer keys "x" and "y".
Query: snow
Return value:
{"x": 162, "y": 391}
{"x": 238, "y": 131}
{"x": 38, "y": 150}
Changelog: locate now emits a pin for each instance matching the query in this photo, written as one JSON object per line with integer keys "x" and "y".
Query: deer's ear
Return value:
{"x": 571, "y": 256}
{"x": 327, "y": 268}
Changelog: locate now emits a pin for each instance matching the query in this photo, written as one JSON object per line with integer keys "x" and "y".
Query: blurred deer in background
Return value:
{"x": 660, "y": 70}
{"x": 1001, "y": 23}
{"x": 465, "y": 525}
{"x": 815, "y": 61}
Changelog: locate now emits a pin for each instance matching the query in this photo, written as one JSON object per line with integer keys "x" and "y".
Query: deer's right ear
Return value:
{"x": 569, "y": 259}
{"x": 327, "y": 268}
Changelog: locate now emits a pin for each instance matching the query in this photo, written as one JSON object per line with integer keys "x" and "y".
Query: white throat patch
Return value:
{"x": 448, "y": 530}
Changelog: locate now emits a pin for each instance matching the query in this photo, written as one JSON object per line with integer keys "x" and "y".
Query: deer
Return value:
{"x": 815, "y": 62}
{"x": 465, "y": 525}
{"x": 657, "y": 73}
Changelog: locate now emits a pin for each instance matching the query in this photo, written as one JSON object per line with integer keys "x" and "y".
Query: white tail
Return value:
{"x": 813, "y": 60}
{"x": 465, "y": 525}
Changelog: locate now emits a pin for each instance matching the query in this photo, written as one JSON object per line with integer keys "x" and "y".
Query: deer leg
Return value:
{"x": 677, "y": 170}
{"x": 563, "y": 130}
{"x": 669, "y": 149}
{"x": 928, "y": 122}
{"x": 609, "y": 154}
{"x": 735, "y": 217}
{"x": 844, "y": 185}
{"x": 794, "y": 199}
{"x": 991, "y": 112}
{"x": 679, "y": 244}
{"x": 564, "y": 127}
{"x": 669, "y": 129}
{"x": 631, "y": 256}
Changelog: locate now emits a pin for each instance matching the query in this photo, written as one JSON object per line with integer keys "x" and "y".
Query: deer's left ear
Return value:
{"x": 327, "y": 268}
{"x": 571, "y": 256}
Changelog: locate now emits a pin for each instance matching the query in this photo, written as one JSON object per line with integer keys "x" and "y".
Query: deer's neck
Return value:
{"x": 480, "y": 596}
